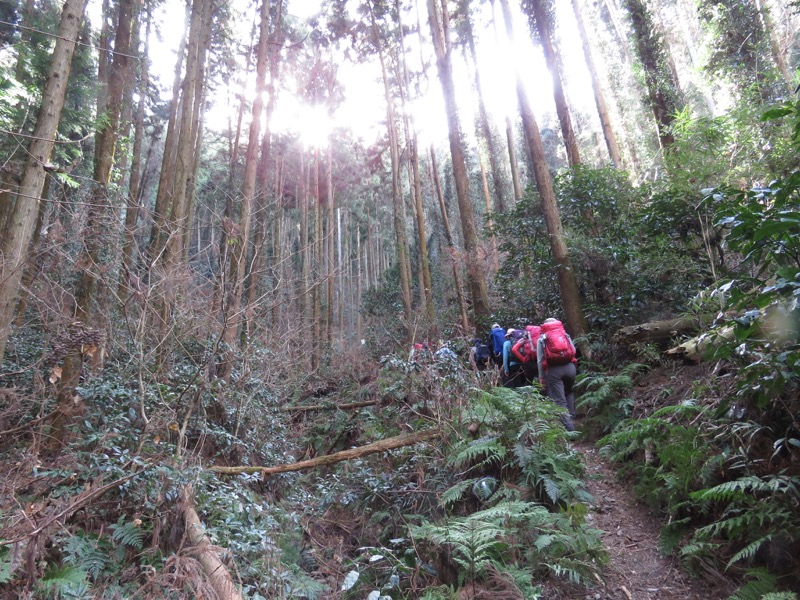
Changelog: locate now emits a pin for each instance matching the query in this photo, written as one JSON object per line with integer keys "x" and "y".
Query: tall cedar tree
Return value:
{"x": 567, "y": 283}
{"x": 18, "y": 230}
{"x": 475, "y": 276}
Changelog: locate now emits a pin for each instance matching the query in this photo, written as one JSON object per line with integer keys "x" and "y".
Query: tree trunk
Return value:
{"x": 134, "y": 182}
{"x": 544, "y": 28}
{"x": 233, "y": 314}
{"x": 475, "y": 277}
{"x": 651, "y": 50}
{"x": 485, "y": 127}
{"x": 259, "y": 261}
{"x": 206, "y": 554}
{"x": 462, "y": 304}
{"x": 99, "y": 219}
{"x": 599, "y": 98}
{"x": 661, "y": 333}
{"x": 401, "y": 242}
{"x": 33, "y": 266}
{"x": 166, "y": 181}
{"x": 570, "y": 295}
{"x": 22, "y": 220}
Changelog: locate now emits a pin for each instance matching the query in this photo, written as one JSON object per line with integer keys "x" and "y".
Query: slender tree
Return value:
{"x": 662, "y": 89}
{"x": 597, "y": 91}
{"x": 232, "y": 314}
{"x": 567, "y": 283}
{"x": 19, "y": 227}
{"x": 475, "y": 277}
{"x": 541, "y": 21}
{"x": 92, "y": 262}
{"x": 401, "y": 242}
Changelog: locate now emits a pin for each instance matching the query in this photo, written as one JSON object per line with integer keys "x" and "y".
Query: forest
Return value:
{"x": 249, "y": 250}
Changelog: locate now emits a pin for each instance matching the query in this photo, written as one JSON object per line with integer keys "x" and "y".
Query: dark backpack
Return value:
{"x": 558, "y": 350}
{"x": 482, "y": 352}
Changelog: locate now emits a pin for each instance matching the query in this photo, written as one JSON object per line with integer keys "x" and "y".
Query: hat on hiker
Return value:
{"x": 496, "y": 326}
{"x": 510, "y": 332}
{"x": 550, "y": 320}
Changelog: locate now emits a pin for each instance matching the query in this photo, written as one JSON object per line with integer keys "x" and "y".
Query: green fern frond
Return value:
{"x": 455, "y": 493}
{"x": 678, "y": 410}
{"x": 65, "y": 582}
{"x": 748, "y": 551}
{"x": 761, "y": 583}
{"x": 128, "y": 533}
{"x": 751, "y": 484}
{"x": 490, "y": 448}
{"x": 87, "y": 552}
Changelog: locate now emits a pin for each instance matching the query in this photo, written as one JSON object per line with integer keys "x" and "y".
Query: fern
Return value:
{"x": 761, "y": 583}
{"x": 455, "y": 493}
{"x": 490, "y": 448}
{"x": 65, "y": 582}
{"x": 128, "y": 534}
{"x": 6, "y": 565}
{"x": 749, "y": 551}
{"x": 87, "y": 552}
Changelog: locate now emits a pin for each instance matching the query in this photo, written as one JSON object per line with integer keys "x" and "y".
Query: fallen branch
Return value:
{"x": 408, "y": 439}
{"x": 218, "y": 574}
{"x": 350, "y": 406}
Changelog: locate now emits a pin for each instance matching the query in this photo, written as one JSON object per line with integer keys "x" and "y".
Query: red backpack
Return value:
{"x": 558, "y": 350}
{"x": 534, "y": 331}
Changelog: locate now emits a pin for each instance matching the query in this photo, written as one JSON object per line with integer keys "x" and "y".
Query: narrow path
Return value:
{"x": 636, "y": 569}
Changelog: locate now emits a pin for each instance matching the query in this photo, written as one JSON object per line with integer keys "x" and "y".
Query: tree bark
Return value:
{"x": 134, "y": 182}
{"x": 462, "y": 304}
{"x": 544, "y": 27}
{"x": 99, "y": 218}
{"x": 599, "y": 98}
{"x": 21, "y": 221}
{"x": 475, "y": 277}
{"x": 661, "y": 88}
{"x": 216, "y": 571}
{"x": 233, "y": 315}
{"x": 401, "y": 242}
{"x": 408, "y": 439}
{"x": 485, "y": 128}
{"x": 567, "y": 283}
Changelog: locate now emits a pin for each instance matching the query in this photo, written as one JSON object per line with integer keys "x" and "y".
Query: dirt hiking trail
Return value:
{"x": 636, "y": 569}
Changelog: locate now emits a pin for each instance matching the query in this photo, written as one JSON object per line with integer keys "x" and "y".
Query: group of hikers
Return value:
{"x": 543, "y": 354}
{"x": 538, "y": 353}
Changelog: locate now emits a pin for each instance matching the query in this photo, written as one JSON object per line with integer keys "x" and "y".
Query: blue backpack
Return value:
{"x": 497, "y": 337}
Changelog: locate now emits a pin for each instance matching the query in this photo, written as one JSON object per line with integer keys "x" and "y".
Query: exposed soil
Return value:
{"x": 637, "y": 570}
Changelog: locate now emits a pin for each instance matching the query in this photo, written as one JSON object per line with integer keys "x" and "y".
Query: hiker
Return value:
{"x": 479, "y": 355}
{"x": 497, "y": 337}
{"x": 512, "y": 367}
{"x": 557, "y": 367}
{"x": 525, "y": 351}
{"x": 444, "y": 353}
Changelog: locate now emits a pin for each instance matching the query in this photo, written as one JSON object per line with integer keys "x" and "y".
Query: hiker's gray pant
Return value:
{"x": 559, "y": 380}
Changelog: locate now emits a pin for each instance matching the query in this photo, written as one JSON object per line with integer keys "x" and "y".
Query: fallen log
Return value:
{"x": 408, "y": 439}
{"x": 348, "y": 406}
{"x": 662, "y": 332}
{"x": 695, "y": 348}
{"x": 218, "y": 575}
